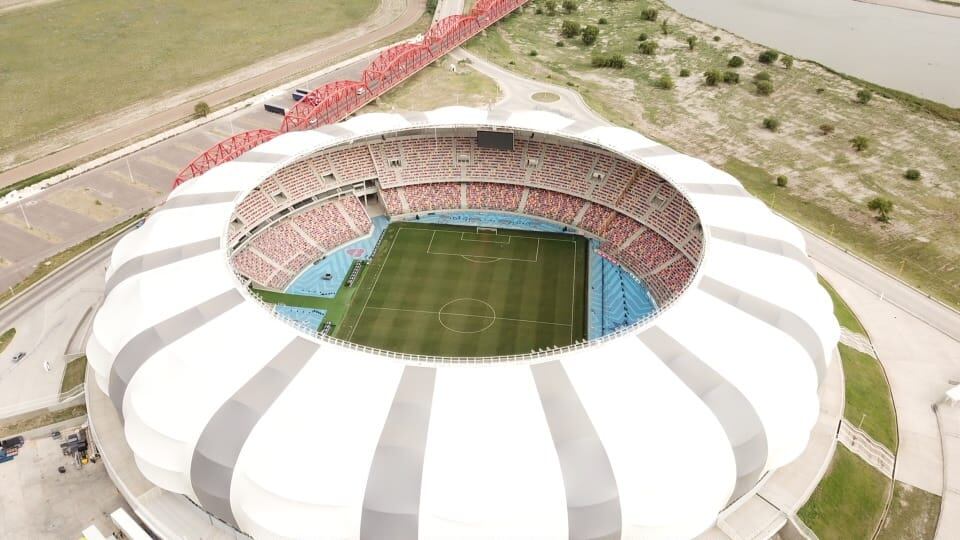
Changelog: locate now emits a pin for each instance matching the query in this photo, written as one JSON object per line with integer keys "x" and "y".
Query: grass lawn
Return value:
{"x": 74, "y": 374}
{"x": 848, "y": 503}
{"x": 6, "y": 337}
{"x": 829, "y": 182}
{"x": 913, "y": 514}
{"x": 436, "y": 86}
{"x": 449, "y": 291}
{"x": 66, "y": 62}
{"x": 868, "y": 397}
{"x": 842, "y": 311}
{"x": 39, "y": 420}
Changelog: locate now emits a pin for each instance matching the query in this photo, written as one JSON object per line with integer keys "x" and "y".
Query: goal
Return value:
{"x": 486, "y": 230}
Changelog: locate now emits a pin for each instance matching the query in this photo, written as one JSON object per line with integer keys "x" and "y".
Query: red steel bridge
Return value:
{"x": 334, "y": 101}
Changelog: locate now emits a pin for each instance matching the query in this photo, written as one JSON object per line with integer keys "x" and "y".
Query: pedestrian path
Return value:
{"x": 857, "y": 341}
{"x": 868, "y": 449}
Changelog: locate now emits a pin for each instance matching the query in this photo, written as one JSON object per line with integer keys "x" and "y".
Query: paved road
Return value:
{"x": 394, "y": 16}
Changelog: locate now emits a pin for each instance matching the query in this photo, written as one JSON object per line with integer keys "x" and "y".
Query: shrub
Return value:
{"x": 762, "y": 76}
{"x": 860, "y": 143}
{"x": 589, "y": 35}
{"x": 882, "y": 206}
{"x": 642, "y": 37}
{"x": 569, "y": 29}
{"x": 781, "y": 181}
{"x": 551, "y": 6}
{"x": 560, "y": 43}
{"x": 201, "y": 109}
{"x": 821, "y": 90}
{"x": 716, "y": 38}
{"x": 691, "y": 42}
{"x": 826, "y": 129}
{"x": 665, "y": 27}
{"x": 569, "y": 6}
{"x": 735, "y": 61}
{"x": 684, "y": 72}
{"x": 539, "y": 11}
{"x": 431, "y": 6}
{"x": 602, "y": 20}
{"x": 768, "y": 56}
{"x": 648, "y": 47}
{"x": 712, "y": 77}
{"x": 771, "y": 123}
{"x": 864, "y": 96}
{"x": 614, "y": 60}
{"x": 764, "y": 88}
{"x": 787, "y": 61}
{"x": 649, "y": 14}
{"x": 912, "y": 174}
{"x": 731, "y": 77}
{"x": 533, "y": 53}
{"x": 665, "y": 82}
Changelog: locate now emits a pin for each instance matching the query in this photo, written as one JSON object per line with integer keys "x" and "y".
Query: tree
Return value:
{"x": 771, "y": 123}
{"x": 764, "y": 88}
{"x": 781, "y": 181}
{"x": 551, "y": 6}
{"x": 201, "y": 109}
{"x": 731, "y": 77}
{"x": 570, "y": 29}
{"x": 826, "y": 129}
{"x": 882, "y": 206}
{"x": 602, "y": 20}
{"x": 590, "y": 33}
{"x": 864, "y": 96}
{"x": 431, "y": 6}
{"x": 642, "y": 37}
{"x": 569, "y": 6}
{"x": 912, "y": 174}
{"x": 860, "y": 143}
{"x": 712, "y": 77}
{"x": 735, "y": 61}
{"x": 684, "y": 72}
{"x": 533, "y": 53}
{"x": 665, "y": 82}
{"x": 787, "y": 61}
{"x": 769, "y": 56}
{"x": 648, "y": 47}
{"x": 665, "y": 26}
{"x": 649, "y": 14}
{"x": 691, "y": 42}
{"x": 761, "y": 76}
{"x": 615, "y": 60}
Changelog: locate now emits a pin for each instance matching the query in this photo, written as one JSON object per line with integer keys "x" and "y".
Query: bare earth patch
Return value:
{"x": 545, "y": 97}
{"x": 85, "y": 202}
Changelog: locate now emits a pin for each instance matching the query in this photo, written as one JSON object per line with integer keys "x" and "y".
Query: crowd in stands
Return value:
{"x": 566, "y": 184}
{"x": 553, "y": 205}
{"x": 277, "y": 254}
{"x": 489, "y": 196}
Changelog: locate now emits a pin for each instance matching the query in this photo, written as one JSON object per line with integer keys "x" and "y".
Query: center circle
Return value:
{"x": 467, "y": 316}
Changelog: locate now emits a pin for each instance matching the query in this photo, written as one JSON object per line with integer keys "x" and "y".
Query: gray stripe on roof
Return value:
{"x": 198, "y": 199}
{"x": 658, "y": 150}
{"x": 148, "y": 342}
{"x": 729, "y": 190}
{"x": 391, "y": 501}
{"x": 253, "y": 156}
{"x": 735, "y": 413}
{"x": 160, "y": 258}
{"x": 416, "y": 118}
{"x": 762, "y": 243}
{"x": 219, "y": 446}
{"x": 593, "y": 500}
{"x": 776, "y": 316}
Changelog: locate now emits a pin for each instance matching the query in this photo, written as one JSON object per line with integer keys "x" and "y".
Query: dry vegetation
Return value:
{"x": 829, "y": 182}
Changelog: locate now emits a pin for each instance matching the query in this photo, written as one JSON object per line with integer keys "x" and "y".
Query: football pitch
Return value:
{"x": 446, "y": 290}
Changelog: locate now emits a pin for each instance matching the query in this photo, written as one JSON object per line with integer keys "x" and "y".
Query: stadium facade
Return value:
{"x": 649, "y": 431}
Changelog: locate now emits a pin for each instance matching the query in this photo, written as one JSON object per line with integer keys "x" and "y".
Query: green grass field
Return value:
{"x": 450, "y": 291}
{"x": 66, "y": 62}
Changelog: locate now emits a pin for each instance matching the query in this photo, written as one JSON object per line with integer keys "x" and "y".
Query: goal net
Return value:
{"x": 486, "y": 230}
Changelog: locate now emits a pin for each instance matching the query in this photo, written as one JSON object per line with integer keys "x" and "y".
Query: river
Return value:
{"x": 906, "y": 50}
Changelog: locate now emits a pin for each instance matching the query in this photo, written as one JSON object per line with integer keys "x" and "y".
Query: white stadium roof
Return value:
{"x": 284, "y": 434}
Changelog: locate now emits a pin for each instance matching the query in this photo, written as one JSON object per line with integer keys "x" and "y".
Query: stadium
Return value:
{"x": 460, "y": 323}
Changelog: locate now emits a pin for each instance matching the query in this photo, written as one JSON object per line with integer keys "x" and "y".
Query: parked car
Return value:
{"x": 18, "y": 357}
